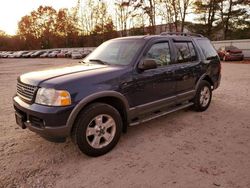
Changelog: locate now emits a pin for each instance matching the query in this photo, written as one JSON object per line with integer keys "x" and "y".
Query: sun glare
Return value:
{"x": 11, "y": 11}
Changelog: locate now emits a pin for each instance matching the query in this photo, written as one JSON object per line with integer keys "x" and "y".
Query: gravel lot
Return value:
{"x": 183, "y": 149}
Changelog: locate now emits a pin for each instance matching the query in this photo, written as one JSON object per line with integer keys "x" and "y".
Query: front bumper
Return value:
{"x": 49, "y": 122}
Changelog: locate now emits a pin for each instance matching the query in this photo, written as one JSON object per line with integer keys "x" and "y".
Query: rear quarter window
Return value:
{"x": 207, "y": 48}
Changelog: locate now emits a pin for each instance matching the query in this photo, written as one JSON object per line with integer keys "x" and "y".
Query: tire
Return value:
{"x": 202, "y": 97}
{"x": 91, "y": 132}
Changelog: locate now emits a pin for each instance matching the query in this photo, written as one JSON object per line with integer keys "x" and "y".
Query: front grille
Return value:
{"x": 26, "y": 91}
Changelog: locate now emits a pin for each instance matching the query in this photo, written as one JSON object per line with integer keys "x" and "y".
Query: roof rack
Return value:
{"x": 182, "y": 34}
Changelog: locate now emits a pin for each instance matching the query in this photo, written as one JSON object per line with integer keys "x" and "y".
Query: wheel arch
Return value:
{"x": 113, "y": 98}
{"x": 206, "y": 78}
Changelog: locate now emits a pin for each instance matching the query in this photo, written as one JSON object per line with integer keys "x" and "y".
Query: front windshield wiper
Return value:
{"x": 99, "y": 61}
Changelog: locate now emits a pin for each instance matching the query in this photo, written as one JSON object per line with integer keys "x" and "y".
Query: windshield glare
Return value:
{"x": 120, "y": 52}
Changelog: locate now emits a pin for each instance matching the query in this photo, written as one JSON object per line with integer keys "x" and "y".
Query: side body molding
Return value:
{"x": 91, "y": 98}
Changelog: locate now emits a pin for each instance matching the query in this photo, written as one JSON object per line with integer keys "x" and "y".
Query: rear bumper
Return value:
{"x": 49, "y": 122}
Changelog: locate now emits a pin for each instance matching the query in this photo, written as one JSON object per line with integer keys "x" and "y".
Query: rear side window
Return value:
{"x": 207, "y": 48}
{"x": 185, "y": 52}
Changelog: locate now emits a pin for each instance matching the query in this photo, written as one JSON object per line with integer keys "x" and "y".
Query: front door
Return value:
{"x": 157, "y": 84}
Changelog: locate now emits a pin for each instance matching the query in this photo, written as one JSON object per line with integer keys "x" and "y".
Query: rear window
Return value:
{"x": 231, "y": 48}
{"x": 207, "y": 48}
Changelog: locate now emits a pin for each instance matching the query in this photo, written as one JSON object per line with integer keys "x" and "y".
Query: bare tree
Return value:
{"x": 183, "y": 7}
{"x": 148, "y": 7}
{"x": 170, "y": 11}
{"x": 207, "y": 13}
{"x": 124, "y": 12}
{"x": 231, "y": 12}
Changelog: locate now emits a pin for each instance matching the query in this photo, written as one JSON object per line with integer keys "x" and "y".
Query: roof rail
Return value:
{"x": 182, "y": 34}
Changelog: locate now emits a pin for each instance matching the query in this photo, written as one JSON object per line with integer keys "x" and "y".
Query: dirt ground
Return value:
{"x": 183, "y": 149}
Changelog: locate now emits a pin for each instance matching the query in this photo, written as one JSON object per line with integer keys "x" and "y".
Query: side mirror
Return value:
{"x": 147, "y": 64}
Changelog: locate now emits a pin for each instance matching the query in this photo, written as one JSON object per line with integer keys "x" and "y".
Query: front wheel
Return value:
{"x": 203, "y": 96}
{"x": 97, "y": 129}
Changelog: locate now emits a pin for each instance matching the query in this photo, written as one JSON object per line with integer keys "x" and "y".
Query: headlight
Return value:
{"x": 52, "y": 97}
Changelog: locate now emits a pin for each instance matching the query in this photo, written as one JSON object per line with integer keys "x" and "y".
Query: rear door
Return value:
{"x": 188, "y": 69}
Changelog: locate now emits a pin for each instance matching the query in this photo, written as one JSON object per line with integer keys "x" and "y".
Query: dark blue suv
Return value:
{"x": 124, "y": 82}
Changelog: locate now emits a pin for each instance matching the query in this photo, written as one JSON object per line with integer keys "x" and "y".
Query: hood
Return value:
{"x": 35, "y": 78}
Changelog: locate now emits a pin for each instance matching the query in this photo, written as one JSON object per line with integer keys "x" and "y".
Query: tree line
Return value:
{"x": 91, "y": 22}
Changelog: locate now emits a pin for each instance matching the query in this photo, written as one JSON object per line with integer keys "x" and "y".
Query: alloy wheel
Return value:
{"x": 100, "y": 131}
{"x": 204, "y": 96}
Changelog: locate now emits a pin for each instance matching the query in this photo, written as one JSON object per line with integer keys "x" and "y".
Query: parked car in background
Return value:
{"x": 37, "y": 53}
{"x": 9, "y": 54}
{"x": 86, "y": 53}
{"x": 76, "y": 55}
{"x": 3, "y": 54}
{"x": 20, "y": 54}
{"x": 54, "y": 53}
{"x": 68, "y": 54}
{"x": 62, "y": 54}
{"x": 230, "y": 53}
{"x": 45, "y": 54}
{"x": 12, "y": 55}
{"x": 27, "y": 55}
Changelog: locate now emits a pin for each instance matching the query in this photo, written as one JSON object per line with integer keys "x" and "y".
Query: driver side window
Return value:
{"x": 160, "y": 53}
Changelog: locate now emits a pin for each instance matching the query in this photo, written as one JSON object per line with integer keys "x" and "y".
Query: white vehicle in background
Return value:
{"x": 76, "y": 55}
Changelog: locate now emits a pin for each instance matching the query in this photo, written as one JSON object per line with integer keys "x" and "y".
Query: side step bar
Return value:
{"x": 161, "y": 114}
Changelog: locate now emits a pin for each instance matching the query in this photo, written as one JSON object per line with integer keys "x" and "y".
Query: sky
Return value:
{"x": 11, "y": 11}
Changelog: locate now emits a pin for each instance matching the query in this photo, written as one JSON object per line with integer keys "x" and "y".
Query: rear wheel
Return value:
{"x": 203, "y": 96}
{"x": 97, "y": 129}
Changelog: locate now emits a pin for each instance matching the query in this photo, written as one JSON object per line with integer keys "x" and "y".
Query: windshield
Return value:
{"x": 119, "y": 52}
{"x": 231, "y": 48}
